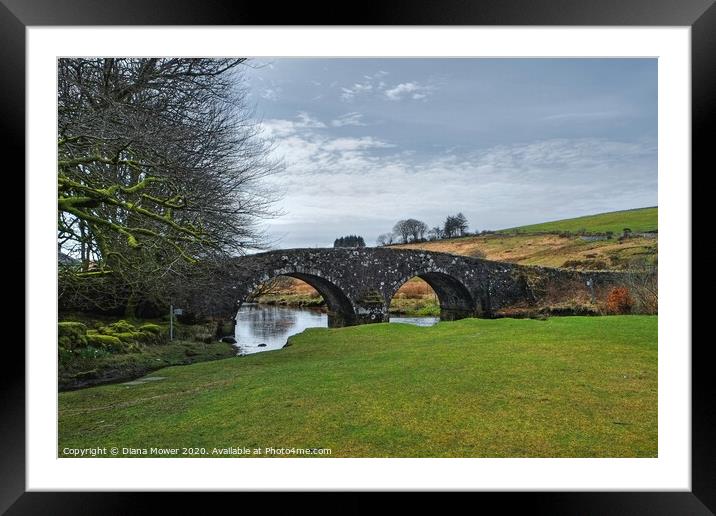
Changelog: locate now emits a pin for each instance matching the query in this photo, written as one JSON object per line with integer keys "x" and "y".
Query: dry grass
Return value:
{"x": 546, "y": 250}
{"x": 415, "y": 288}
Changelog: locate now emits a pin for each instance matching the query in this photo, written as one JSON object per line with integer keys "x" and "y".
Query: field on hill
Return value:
{"x": 548, "y": 250}
{"x": 564, "y": 387}
{"x": 556, "y": 244}
{"x": 638, "y": 220}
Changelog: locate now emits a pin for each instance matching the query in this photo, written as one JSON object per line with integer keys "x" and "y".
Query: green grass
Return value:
{"x": 564, "y": 387}
{"x": 426, "y": 306}
{"x": 638, "y": 220}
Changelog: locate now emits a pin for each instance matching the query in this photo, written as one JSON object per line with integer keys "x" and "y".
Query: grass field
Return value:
{"x": 555, "y": 244}
{"x": 548, "y": 245}
{"x": 638, "y": 220}
{"x": 548, "y": 250}
{"x": 564, "y": 387}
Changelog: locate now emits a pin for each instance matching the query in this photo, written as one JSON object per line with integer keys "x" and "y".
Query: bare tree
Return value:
{"x": 436, "y": 233}
{"x": 402, "y": 230}
{"x": 410, "y": 228}
{"x": 385, "y": 239}
{"x": 642, "y": 279}
{"x": 159, "y": 171}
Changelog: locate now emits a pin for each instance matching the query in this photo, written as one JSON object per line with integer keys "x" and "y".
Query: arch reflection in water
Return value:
{"x": 272, "y": 325}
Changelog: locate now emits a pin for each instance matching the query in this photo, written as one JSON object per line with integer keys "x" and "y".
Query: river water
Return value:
{"x": 272, "y": 325}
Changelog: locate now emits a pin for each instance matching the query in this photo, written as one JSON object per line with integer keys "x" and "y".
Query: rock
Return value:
{"x": 262, "y": 345}
{"x": 230, "y": 340}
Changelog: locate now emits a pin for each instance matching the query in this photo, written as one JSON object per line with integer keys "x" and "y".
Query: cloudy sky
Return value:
{"x": 367, "y": 142}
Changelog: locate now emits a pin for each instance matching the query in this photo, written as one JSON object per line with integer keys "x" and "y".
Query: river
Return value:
{"x": 272, "y": 325}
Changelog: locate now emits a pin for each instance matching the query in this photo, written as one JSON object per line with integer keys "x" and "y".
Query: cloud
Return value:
{"x": 353, "y": 118}
{"x": 353, "y": 144}
{"x": 338, "y": 185}
{"x": 375, "y": 85}
{"x": 358, "y": 88}
{"x": 280, "y": 128}
{"x": 305, "y": 120}
{"x": 408, "y": 90}
{"x": 369, "y": 84}
{"x": 270, "y": 94}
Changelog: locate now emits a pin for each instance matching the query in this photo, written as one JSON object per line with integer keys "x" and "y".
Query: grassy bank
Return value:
{"x": 95, "y": 367}
{"x": 94, "y": 350}
{"x": 638, "y": 220}
{"x": 564, "y": 387}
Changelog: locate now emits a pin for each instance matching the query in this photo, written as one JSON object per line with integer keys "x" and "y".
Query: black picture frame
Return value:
{"x": 700, "y": 15}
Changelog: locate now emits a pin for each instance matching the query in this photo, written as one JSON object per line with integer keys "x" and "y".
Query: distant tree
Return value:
{"x": 450, "y": 227}
{"x": 455, "y": 225}
{"x": 410, "y": 230}
{"x": 435, "y": 233}
{"x": 349, "y": 241}
{"x": 385, "y": 239}
{"x": 461, "y": 223}
{"x": 402, "y": 230}
{"x": 417, "y": 229}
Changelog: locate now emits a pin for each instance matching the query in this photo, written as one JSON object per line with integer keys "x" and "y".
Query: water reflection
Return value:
{"x": 417, "y": 321}
{"x": 266, "y": 327}
{"x": 272, "y": 325}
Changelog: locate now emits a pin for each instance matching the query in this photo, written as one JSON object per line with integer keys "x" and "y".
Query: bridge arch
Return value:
{"x": 340, "y": 308}
{"x": 456, "y": 301}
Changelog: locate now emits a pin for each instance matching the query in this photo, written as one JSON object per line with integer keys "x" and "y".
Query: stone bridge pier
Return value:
{"x": 359, "y": 284}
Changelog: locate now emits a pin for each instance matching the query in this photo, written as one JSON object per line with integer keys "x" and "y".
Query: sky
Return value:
{"x": 507, "y": 142}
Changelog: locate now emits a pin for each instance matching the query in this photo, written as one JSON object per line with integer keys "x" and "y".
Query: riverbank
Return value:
{"x": 96, "y": 350}
{"x": 563, "y": 387}
{"x": 96, "y": 368}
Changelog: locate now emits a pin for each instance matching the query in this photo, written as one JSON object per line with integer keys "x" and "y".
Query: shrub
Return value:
{"x": 585, "y": 264}
{"x": 151, "y": 328}
{"x": 188, "y": 318}
{"x": 118, "y": 327}
{"x": 619, "y": 301}
{"x": 64, "y": 356}
{"x": 107, "y": 342}
{"x": 71, "y": 335}
{"x": 206, "y": 338}
{"x": 92, "y": 352}
{"x": 132, "y": 337}
{"x": 152, "y": 334}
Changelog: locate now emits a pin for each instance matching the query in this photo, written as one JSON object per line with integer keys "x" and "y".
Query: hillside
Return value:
{"x": 556, "y": 244}
{"x": 638, "y": 220}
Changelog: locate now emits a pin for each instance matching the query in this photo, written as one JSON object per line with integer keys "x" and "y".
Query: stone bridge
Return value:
{"x": 359, "y": 283}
